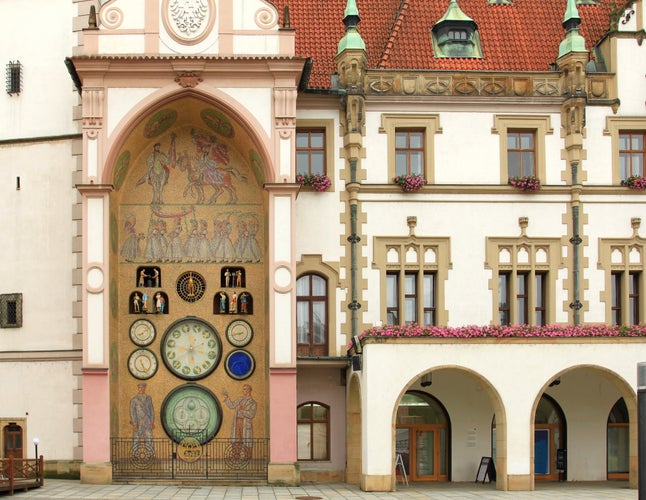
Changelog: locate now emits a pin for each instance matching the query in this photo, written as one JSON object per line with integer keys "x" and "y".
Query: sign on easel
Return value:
{"x": 399, "y": 466}
{"x": 486, "y": 469}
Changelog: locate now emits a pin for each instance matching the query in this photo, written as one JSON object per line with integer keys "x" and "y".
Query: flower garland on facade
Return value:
{"x": 526, "y": 183}
{"x": 410, "y": 182}
{"x": 318, "y": 182}
{"x": 505, "y": 331}
{"x": 637, "y": 182}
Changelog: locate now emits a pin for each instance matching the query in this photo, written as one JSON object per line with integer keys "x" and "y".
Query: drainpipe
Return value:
{"x": 354, "y": 305}
{"x": 576, "y": 240}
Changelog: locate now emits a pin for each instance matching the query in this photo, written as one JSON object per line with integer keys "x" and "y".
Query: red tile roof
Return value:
{"x": 524, "y": 36}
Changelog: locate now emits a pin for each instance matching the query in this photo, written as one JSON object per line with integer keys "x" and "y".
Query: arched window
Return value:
{"x": 618, "y": 441}
{"x": 313, "y": 431}
{"x": 311, "y": 315}
{"x": 549, "y": 437}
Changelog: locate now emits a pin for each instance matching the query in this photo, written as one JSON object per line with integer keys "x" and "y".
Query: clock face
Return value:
{"x": 142, "y": 363}
{"x": 142, "y": 332}
{"x": 239, "y": 364}
{"x": 191, "y": 411}
{"x": 239, "y": 333}
{"x": 191, "y": 348}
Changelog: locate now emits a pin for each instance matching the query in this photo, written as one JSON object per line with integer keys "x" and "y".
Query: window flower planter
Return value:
{"x": 527, "y": 183}
{"x": 637, "y": 182}
{"x": 410, "y": 183}
{"x": 318, "y": 182}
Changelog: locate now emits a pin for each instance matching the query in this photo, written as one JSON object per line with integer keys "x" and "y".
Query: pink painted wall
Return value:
{"x": 282, "y": 416}
{"x": 96, "y": 416}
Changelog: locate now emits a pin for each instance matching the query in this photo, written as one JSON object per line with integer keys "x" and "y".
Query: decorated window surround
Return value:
{"x": 328, "y": 126}
{"x": 540, "y": 125}
{"x": 622, "y": 256}
{"x": 614, "y": 126}
{"x": 552, "y": 248}
{"x": 428, "y": 123}
{"x": 313, "y": 264}
{"x": 419, "y": 246}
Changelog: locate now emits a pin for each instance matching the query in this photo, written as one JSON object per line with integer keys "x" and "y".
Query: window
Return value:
{"x": 410, "y": 143}
{"x": 627, "y": 141}
{"x": 14, "y": 77}
{"x": 524, "y": 270}
{"x": 618, "y": 441}
{"x": 11, "y": 310}
{"x": 313, "y": 421}
{"x": 522, "y": 145}
{"x": 458, "y": 34}
{"x": 624, "y": 295}
{"x": 521, "y": 153}
{"x": 414, "y": 271}
{"x": 311, "y": 315}
{"x": 310, "y": 151}
{"x": 631, "y": 154}
{"x": 409, "y": 152}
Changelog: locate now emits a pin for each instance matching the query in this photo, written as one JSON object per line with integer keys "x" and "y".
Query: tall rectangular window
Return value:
{"x": 429, "y": 298}
{"x": 11, "y": 310}
{"x": 392, "y": 298}
{"x": 540, "y": 283}
{"x": 615, "y": 307}
{"x": 409, "y": 152}
{"x": 521, "y": 153}
{"x": 633, "y": 298}
{"x": 504, "y": 312}
{"x": 631, "y": 154}
{"x": 311, "y": 315}
{"x": 310, "y": 151}
{"x": 521, "y": 298}
{"x": 410, "y": 297}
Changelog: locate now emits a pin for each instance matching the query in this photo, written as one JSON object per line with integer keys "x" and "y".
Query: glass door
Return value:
{"x": 12, "y": 441}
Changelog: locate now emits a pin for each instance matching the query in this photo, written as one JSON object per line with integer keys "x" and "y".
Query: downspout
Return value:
{"x": 576, "y": 240}
{"x": 354, "y": 305}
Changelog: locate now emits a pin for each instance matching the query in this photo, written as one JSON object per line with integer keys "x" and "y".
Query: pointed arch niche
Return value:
{"x": 188, "y": 201}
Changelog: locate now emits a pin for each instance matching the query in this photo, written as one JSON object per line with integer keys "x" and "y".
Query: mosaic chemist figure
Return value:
{"x": 142, "y": 419}
{"x": 242, "y": 428}
{"x": 159, "y": 170}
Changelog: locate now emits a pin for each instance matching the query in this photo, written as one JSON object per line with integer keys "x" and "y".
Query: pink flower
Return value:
{"x": 319, "y": 182}
{"x": 527, "y": 183}
{"x": 410, "y": 183}
{"x": 637, "y": 182}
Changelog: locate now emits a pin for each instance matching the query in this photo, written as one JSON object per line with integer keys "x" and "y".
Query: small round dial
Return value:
{"x": 142, "y": 363}
{"x": 142, "y": 332}
{"x": 191, "y": 348}
{"x": 239, "y": 333}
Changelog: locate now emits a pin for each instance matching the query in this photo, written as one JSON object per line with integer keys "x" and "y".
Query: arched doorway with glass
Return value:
{"x": 12, "y": 437}
{"x": 618, "y": 441}
{"x": 422, "y": 437}
{"x": 549, "y": 437}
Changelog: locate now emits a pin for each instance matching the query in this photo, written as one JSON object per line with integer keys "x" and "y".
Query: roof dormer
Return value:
{"x": 456, "y": 34}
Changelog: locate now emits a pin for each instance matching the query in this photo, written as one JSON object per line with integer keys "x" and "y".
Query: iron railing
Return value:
{"x": 217, "y": 460}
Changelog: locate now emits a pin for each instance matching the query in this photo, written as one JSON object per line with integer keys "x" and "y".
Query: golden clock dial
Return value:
{"x": 239, "y": 333}
{"x": 142, "y": 364}
{"x": 142, "y": 332}
{"x": 191, "y": 348}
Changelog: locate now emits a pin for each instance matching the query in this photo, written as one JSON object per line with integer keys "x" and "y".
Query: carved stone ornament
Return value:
{"x": 188, "y": 79}
{"x": 188, "y": 21}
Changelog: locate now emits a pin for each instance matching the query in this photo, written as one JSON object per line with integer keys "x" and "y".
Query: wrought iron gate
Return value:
{"x": 161, "y": 458}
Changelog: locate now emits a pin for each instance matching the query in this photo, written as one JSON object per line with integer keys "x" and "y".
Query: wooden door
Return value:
{"x": 12, "y": 439}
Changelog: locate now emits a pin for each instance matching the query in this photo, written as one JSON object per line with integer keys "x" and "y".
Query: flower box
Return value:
{"x": 526, "y": 183}
{"x": 318, "y": 182}
{"x": 410, "y": 183}
{"x": 637, "y": 182}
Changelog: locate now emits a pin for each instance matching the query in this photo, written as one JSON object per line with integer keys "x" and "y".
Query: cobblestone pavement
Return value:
{"x": 55, "y": 489}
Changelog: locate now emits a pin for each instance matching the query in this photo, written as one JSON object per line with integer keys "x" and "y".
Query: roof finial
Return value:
{"x": 573, "y": 41}
{"x": 352, "y": 39}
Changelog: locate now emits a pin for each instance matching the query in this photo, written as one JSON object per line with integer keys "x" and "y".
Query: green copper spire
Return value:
{"x": 352, "y": 39}
{"x": 454, "y": 13}
{"x": 573, "y": 41}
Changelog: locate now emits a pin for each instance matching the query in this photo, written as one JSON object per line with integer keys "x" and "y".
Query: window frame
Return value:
{"x": 615, "y": 125}
{"x": 616, "y": 259}
{"x": 310, "y": 149}
{"x": 326, "y": 126}
{"x": 631, "y": 152}
{"x": 531, "y": 268}
{"x": 540, "y": 125}
{"x": 520, "y": 151}
{"x": 7, "y": 299}
{"x": 311, "y": 421}
{"x": 421, "y": 268}
{"x": 428, "y": 123}
{"x": 409, "y": 150}
{"x": 312, "y": 348}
